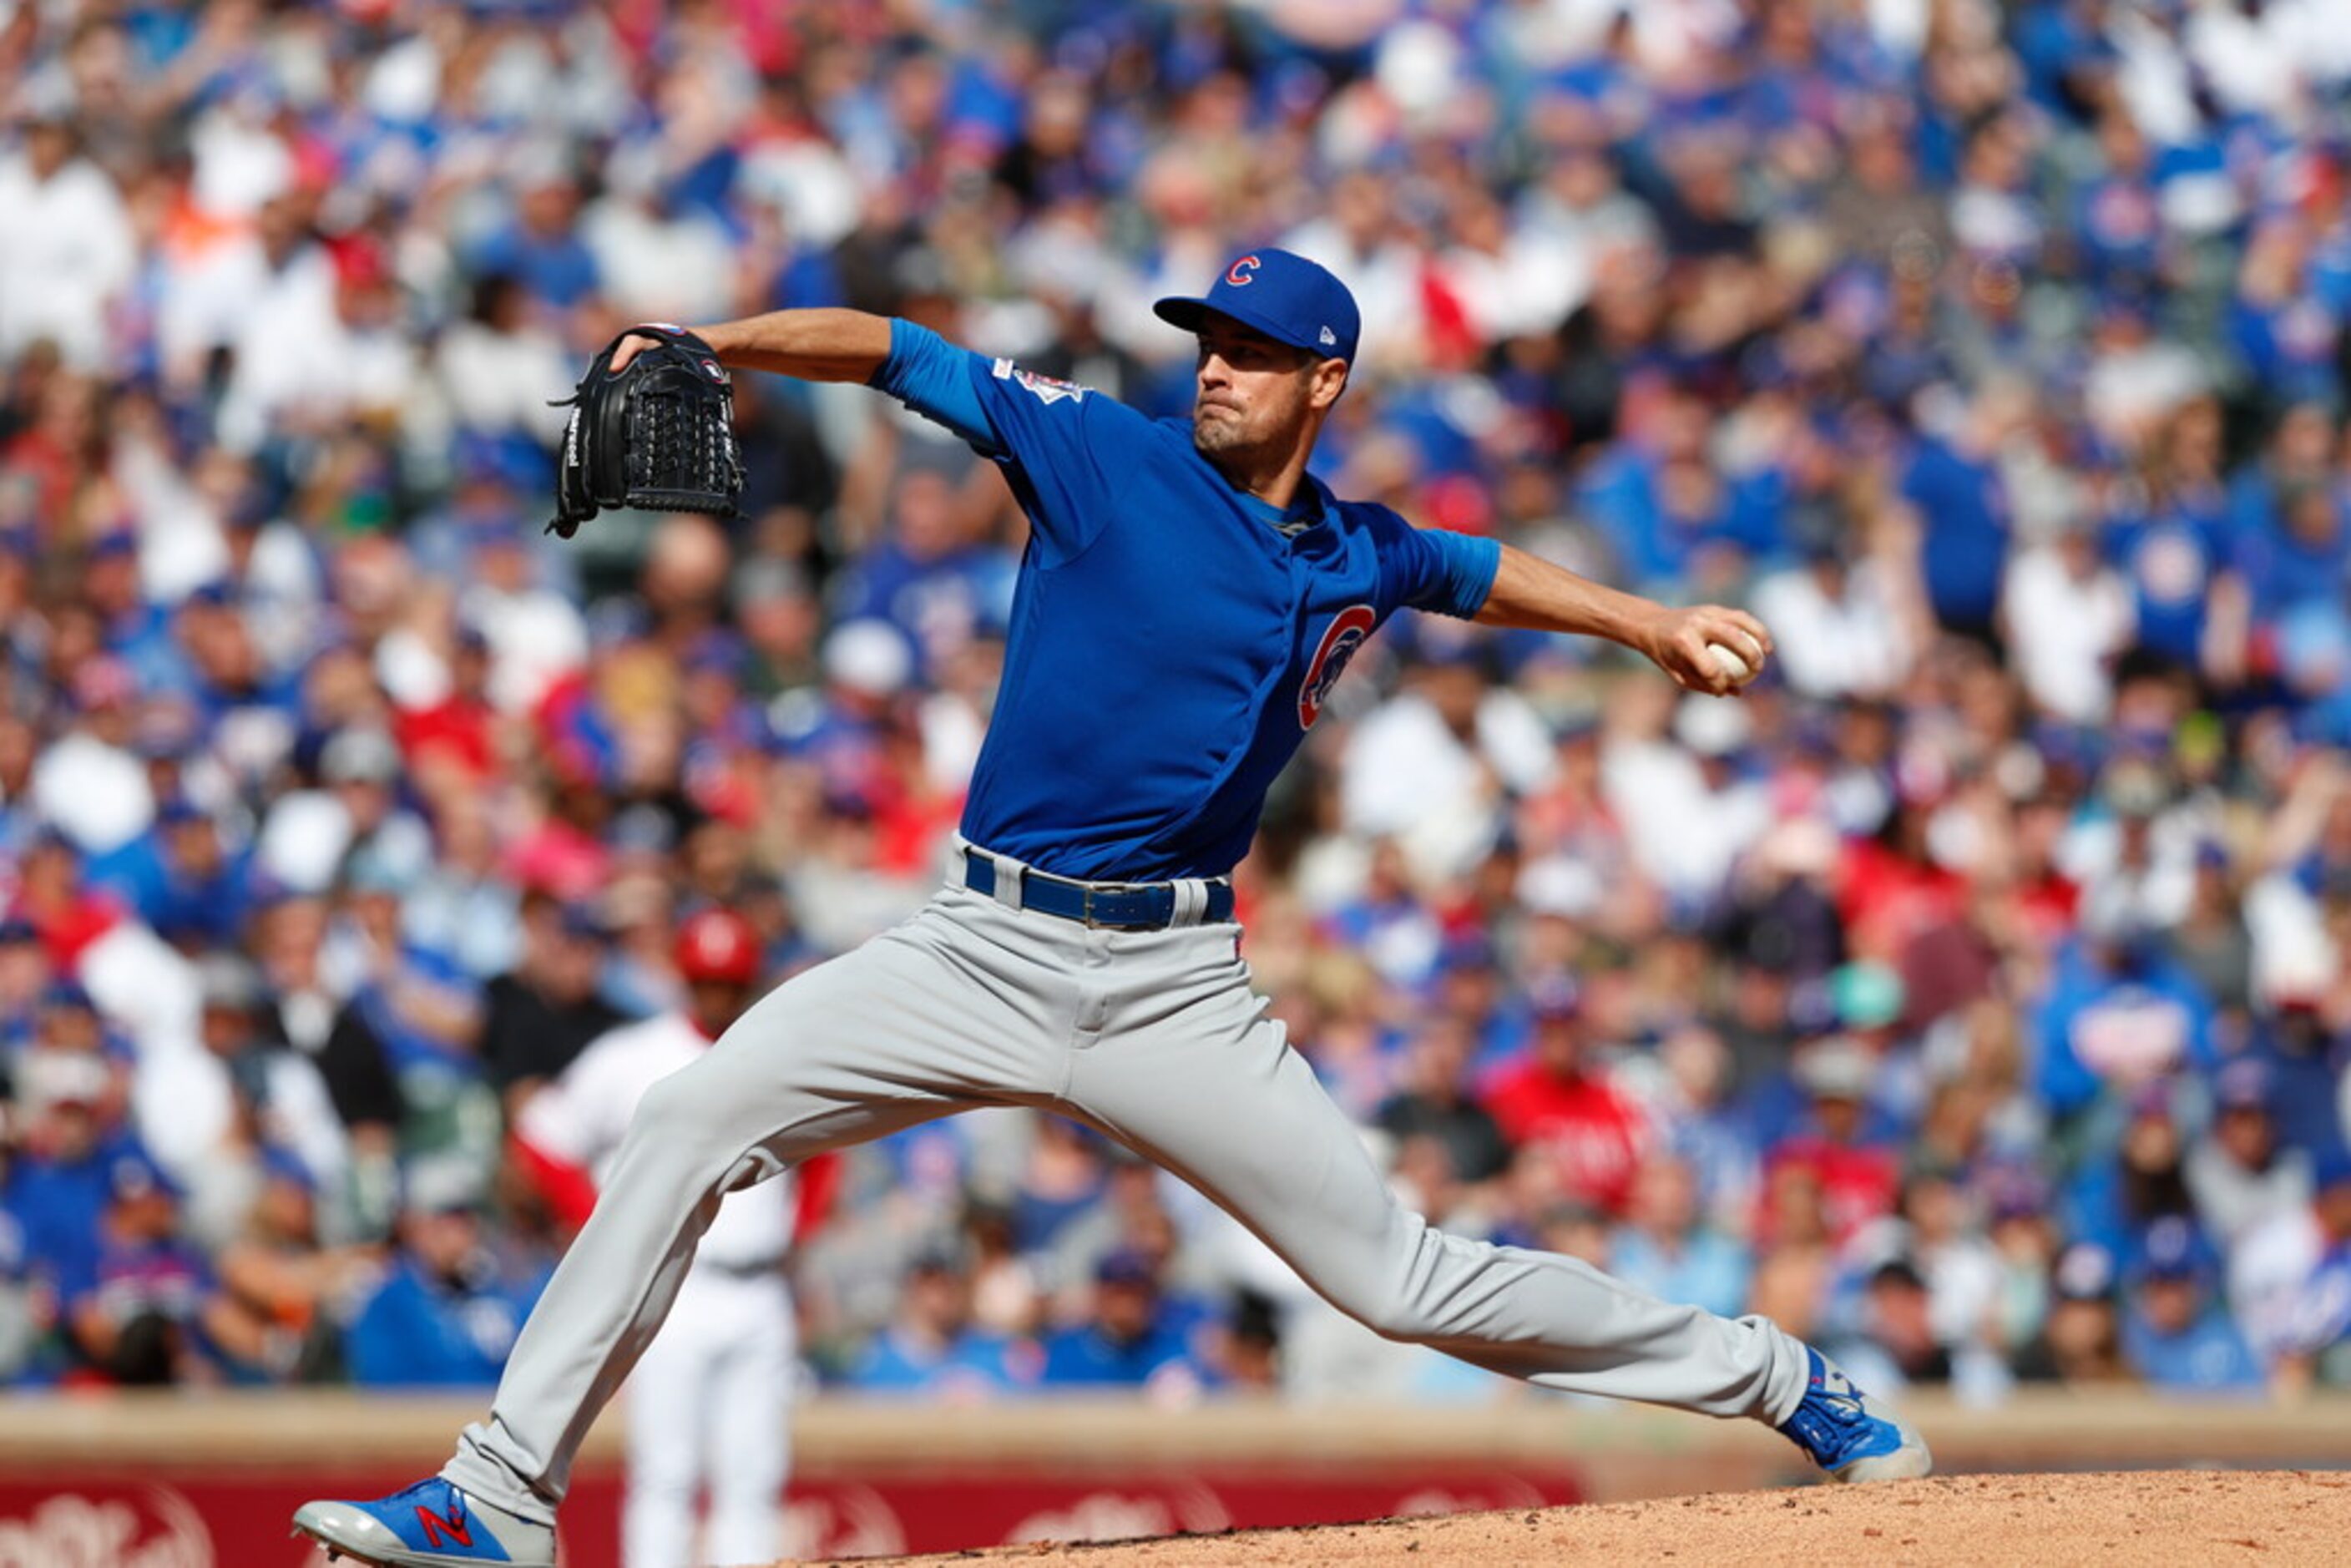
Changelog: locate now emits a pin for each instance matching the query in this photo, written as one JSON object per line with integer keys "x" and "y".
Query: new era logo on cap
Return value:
{"x": 1280, "y": 294}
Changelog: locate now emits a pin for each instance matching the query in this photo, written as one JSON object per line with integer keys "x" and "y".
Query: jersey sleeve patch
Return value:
{"x": 1047, "y": 389}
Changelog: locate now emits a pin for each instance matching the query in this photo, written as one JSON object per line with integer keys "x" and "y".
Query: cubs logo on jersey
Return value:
{"x": 1048, "y": 390}
{"x": 1347, "y": 632}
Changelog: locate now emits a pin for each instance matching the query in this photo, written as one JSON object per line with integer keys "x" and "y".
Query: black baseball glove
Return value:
{"x": 660, "y": 434}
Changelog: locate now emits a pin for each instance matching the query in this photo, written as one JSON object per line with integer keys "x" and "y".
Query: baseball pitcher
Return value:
{"x": 1189, "y": 596}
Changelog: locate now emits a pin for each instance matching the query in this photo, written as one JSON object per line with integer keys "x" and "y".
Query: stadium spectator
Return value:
{"x": 1665, "y": 1246}
{"x": 1856, "y": 1178}
{"x": 1899, "y": 1343}
{"x": 2236, "y": 1172}
{"x": 2081, "y": 1340}
{"x": 77, "y": 250}
{"x": 447, "y": 1309}
{"x": 2174, "y": 1334}
{"x": 2286, "y": 1283}
{"x": 139, "y": 1306}
{"x": 931, "y": 1348}
{"x": 1559, "y": 1109}
{"x": 537, "y": 1017}
{"x": 1129, "y": 1339}
{"x": 284, "y": 1293}
{"x": 1435, "y": 1103}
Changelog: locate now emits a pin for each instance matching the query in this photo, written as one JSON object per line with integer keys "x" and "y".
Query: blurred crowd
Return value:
{"x": 1970, "y": 997}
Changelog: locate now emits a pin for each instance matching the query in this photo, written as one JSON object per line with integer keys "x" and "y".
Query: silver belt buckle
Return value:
{"x": 1095, "y": 922}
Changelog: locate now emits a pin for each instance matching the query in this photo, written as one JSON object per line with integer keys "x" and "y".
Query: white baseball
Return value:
{"x": 1731, "y": 663}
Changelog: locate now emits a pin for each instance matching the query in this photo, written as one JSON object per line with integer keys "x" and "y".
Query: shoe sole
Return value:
{"x": 335, "y": 1552}
{"x": 365, "y": 1556}
{"x": 1907, "y": 1463}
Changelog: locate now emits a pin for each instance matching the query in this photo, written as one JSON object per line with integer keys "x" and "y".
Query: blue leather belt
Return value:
{"x": 1118, "y": 906}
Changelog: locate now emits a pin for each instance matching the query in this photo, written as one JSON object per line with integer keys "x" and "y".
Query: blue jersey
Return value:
{"x": 1173, "y": 639}
{"x": 417, "y": 1332}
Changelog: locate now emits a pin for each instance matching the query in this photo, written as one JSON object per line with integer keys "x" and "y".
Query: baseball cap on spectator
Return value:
{"x": 440, "y": 1184}
{"x": 584, "y": 920}
{"x": 2242, "y": 1085}
{"x": 1558, "y": 886}
{"x": 868, "y": 657}
{"x": 229, "y": 982}
{"x": 2110, "y": 917}
{"x": 1898, "y": 1271}
{"x": 717, "y": 652}
{"x": 2015, "y": 1192}
{"x": 282, "y": 1165}
{"x": 53, "y": 837}
{"x": 1459, "y": 503}
{"x": 1836, "y": 1068}
{"x": 717, "y": 944}
{"x": 47, "y": 97}
{"x": 1577, "y": 720}
{"x": 1712, "y": 728}
{"x": 67, "y": 992}
{"x": 1289, "y": 298}
{"x": 2084, "y": 1272}
{"x": 372, "y": 868}
{"x": 2133, "y": 789}
{"x": 1465, "y": 950}
{"x": 765, "y": 577}
{"x": 1554, "y": 998}
{"x": 1125, "y": 1266}
{"x": 1865, "y": 995}
{"x": 49, "y": 1078}
{"x": 940, "y": 1251}
{"x": 363, "y": 756}
{"x": 2331, "y": 1169}
{"x": 132, "y": 1173}
{"x": 2152, "y": 1102}
{"x": 2170, "y": 1252}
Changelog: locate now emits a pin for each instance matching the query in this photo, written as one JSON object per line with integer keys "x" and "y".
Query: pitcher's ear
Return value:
{"x": 1330, "y": 381}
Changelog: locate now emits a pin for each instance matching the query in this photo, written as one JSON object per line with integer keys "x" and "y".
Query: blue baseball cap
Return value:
{"x": 2172, "y": 1251}
{"x": 1284, "y": 296}
{"x": 1125, "y": 1266}
{"x": 134, "y": 1173}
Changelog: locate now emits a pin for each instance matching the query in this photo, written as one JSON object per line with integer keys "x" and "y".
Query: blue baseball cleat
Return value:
{"x": 429, "y": 1525}
{"x": 1849, "y": 1437}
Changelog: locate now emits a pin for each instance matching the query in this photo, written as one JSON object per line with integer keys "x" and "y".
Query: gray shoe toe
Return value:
{"x": 341, "y": 1525}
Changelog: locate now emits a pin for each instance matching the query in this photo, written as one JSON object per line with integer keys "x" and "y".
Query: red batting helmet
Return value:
{"x": 719, "y": 945}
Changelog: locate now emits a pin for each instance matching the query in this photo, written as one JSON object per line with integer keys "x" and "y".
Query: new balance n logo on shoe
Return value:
{"x": 459, "y": 1533}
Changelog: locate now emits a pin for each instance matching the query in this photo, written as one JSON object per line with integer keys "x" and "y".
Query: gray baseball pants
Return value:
{"x": 1154, "y": 1038}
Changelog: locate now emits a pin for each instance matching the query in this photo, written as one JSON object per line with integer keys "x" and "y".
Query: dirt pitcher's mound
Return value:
{"x": 2162, "y": 1517}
